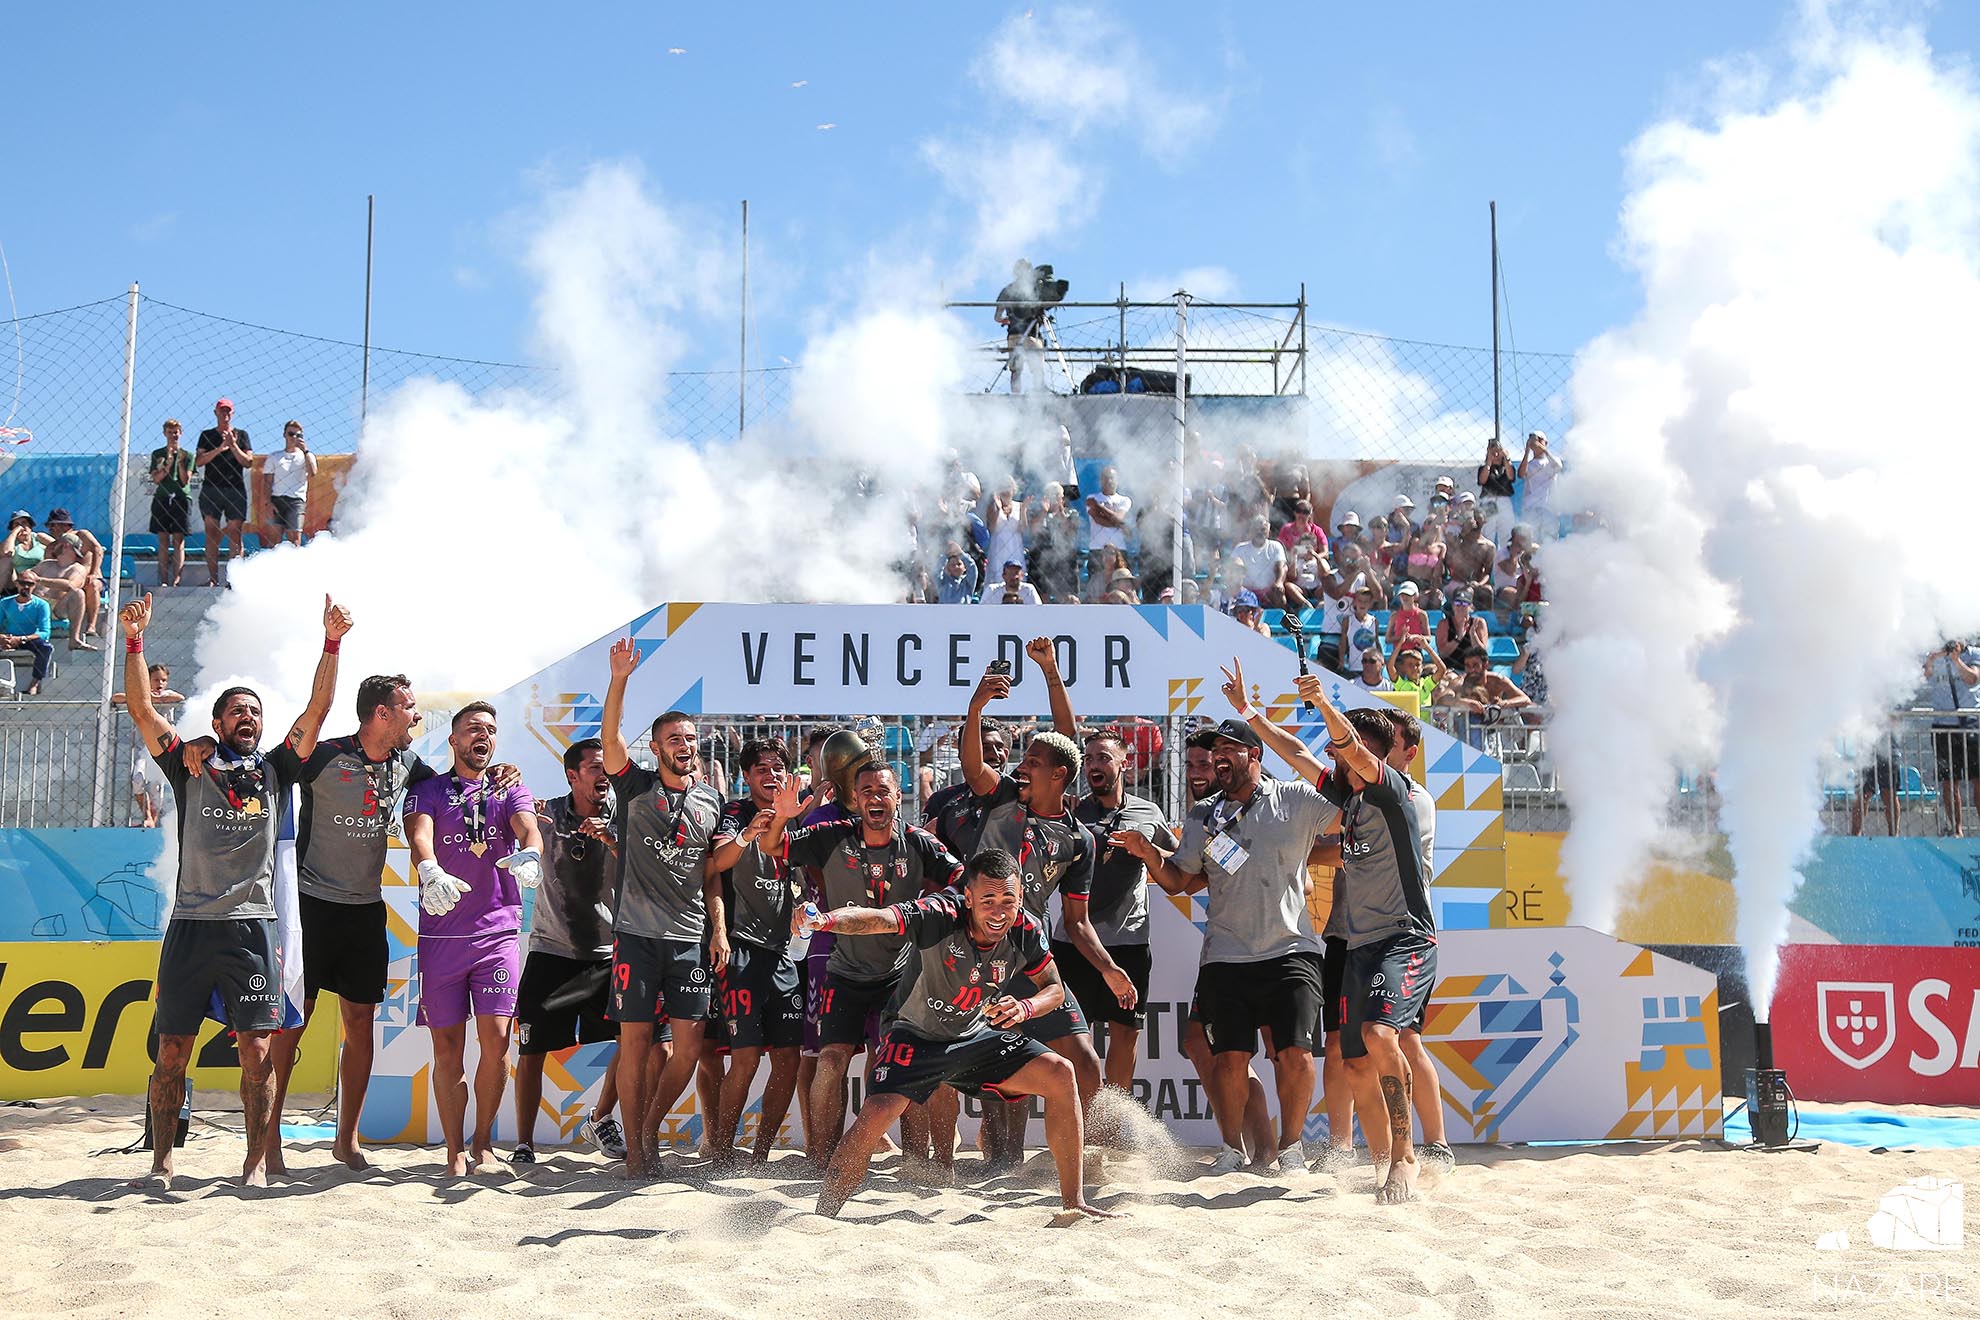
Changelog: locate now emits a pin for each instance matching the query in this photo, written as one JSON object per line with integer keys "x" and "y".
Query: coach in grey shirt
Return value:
{"x": 1261, "y": 957}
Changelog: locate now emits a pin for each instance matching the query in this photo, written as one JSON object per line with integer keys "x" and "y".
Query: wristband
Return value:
{"x": 828, "y": 920}
{"x": 1025, "y": 1004}
{"x": 331, "y": 645}
{"x": 134, "y": 645}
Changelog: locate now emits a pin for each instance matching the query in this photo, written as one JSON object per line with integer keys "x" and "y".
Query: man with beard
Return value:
{"x": 459, "y": 828}
{"x": 869, "y": 860}
{"x": 1261, "y": 957}
{"x": 666, "y": 905}
{"x": 1117, "y": 907}
{"x": 566, "y": 980}
{"x": 952, "y": 814}
{"x": 1200, "y": 778}
{"x": 759, "y": 998}
{"x": 221, "y": 943}
{"x": 960, "y": 1019}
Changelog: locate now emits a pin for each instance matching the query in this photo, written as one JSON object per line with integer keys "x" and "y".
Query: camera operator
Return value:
{"x": 1021, "y": 310}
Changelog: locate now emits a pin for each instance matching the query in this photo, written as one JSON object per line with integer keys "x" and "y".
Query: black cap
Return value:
{"x": 59, "y": 515}
{"x": 1240, "y": 732}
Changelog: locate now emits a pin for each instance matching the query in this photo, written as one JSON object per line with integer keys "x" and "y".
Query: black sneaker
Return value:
{"x": 524, "y": 1155}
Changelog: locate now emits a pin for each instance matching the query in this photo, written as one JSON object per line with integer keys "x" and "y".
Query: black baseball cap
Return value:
{"x": 1240, "y": 732}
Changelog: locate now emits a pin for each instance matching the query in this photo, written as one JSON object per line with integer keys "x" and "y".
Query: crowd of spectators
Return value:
{"x": 1444, "y": 599}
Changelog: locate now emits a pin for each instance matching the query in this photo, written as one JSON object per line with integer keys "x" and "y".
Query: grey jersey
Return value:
{"x": 228, "y": 818}
{"x": 664, "y": 836}
{"x": 1118, "y": 904}
{"x": 1426, "y": 822}
{"x": 572, "y": 914}
{"x": 852, "y": 874}
{"x": 1259, "y": 911}
{"x": 758, "y": 890}
{"x": 348, "y": 805}
{"x": 1382, "y": 850}
{"x": 1053, "y": 852}
{"x": 950, "y": 977}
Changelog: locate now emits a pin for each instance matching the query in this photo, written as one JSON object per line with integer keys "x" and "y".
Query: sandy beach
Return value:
{"x": 1652, "y": 1229}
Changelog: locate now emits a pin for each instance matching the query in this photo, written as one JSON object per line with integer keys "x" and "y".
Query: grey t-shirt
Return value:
{"x": 908, "y": 865}
{"x": 950, "y": 977}
{"x": 1382, "y": 853}
{"x": 664, "y": 835}
{"x": 348, "y": 804}
{"x": 572, "y": 916}
{"x": 1118, "y": 905}
{"x": 1426, "y": 823}
{"x": 758, "y": 890}
{"x": 1258, "y": 912}
{"x": 228, "y": 819}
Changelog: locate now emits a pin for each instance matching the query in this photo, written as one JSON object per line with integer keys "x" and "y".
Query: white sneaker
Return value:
{"x": 1230, "y": 1161}
{"x": 1333, "y": 1159}
{"x": 604, "y": 1133}
{"x": 1293, "y": 1158}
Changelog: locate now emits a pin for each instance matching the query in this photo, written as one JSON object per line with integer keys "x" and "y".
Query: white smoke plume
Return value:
{"x": 1774, "y": 444}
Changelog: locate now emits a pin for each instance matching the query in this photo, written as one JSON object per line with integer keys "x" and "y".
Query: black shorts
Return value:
{"x": 655, "y": 979}
{"x": 1086, "y": 987}
{"x": 1388, "y": 985}
{"x": 1957, "y": 752}
{"x": 1280, "y": 994}
{"x": 288, "y": 512}
{"x": 345, "y": 950}
{"x": 560, "y": 1002}
{"x": 240, "y": 961}
{"x": 171, "y": 514}
{"x": 759, "y": 1000}
{"x": 1333, "y": 970}
{"x": 908, "y": 1064}
{"x": 222, "y": 503}
{"x": 849, "y": 1011}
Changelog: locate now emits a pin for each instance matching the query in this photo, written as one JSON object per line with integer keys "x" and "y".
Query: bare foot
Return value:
{"x": 351, "y": 1158}
{"x": 483, "y": 1153}
{"x": 1074, "y": 1214}
{"x": 158, "y": 1180}
{"x": 457, "y": 1164}
{"x": 254, "y": 1175}
{"x": 1401, "y": 1184}
{"x": 276, "y": 1166}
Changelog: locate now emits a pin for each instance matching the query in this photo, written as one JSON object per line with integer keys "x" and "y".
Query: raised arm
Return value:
{"x": 151, "y": 726}
{"x": 1343, "y": 743}
{"x": 624, "y": 658}
{"x": 982, "y": 780}
{"x": 724, "y": 855}
{"x": 304, "y": 732}
{"x": 783, "y": 810}
{"x": 854, "y": 921}
{"x": 1046, "y": 657}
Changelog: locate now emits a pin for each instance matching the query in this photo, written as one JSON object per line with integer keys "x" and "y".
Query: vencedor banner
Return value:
{"x": 75, "y": 1019}
{"x": 1878, "y": 1022}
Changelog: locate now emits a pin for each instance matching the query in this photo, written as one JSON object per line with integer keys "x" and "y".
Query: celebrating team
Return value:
{"x": 671, "y": 922}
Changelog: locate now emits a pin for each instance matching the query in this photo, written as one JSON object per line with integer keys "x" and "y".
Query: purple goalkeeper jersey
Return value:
{"x": 470, "y": 834}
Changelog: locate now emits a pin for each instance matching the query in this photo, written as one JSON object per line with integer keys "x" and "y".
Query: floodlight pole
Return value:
{"x": 1494, "y": 207}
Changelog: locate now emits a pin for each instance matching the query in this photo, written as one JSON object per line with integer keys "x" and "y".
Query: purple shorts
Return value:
{"x": 812, "y": 970}
{"x": 471, "y": 975}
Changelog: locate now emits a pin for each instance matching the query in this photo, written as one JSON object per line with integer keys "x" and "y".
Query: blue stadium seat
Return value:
{"x": 1436, "y": 617}
{"x": 140, "y": 543}
{"x": 1494, "y": 627}
{"x": 1501, "y": 650}
{"x": 1914, "y": 788}
{"x": 1275, "y": 620}
{"x": 897, "y": 741}
{"x": 1382, "y": 621}
{"x": 1310, "y": 620}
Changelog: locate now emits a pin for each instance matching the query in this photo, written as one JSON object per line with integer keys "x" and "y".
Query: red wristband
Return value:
{"x": 331, "y": 645}
{"x": 1025, "y": 1004}
{"x": 134, "y": 645}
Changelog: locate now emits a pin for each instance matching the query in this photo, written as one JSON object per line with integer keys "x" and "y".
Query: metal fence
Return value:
{"x": 1917, "y": 779}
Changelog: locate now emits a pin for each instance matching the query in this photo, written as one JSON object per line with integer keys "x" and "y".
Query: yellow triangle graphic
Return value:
{"x": 680, "y": 614}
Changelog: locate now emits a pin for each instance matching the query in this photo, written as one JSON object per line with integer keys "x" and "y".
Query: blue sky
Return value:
{"x": 221, "y": 154}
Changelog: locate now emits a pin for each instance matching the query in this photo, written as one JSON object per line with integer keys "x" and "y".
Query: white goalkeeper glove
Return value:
{"x": 438, "y": 891}
{"x": 526, "y": 866}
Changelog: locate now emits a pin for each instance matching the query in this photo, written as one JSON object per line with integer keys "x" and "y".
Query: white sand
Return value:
{"x": 1657, "y": 1230}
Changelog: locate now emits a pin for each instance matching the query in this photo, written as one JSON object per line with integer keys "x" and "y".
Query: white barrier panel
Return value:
{"x": 1540, "y": 1035}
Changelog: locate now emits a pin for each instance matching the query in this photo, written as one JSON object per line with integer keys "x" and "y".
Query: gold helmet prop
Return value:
{"x": 844, "y": 755}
